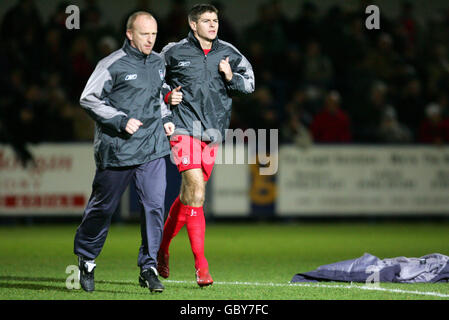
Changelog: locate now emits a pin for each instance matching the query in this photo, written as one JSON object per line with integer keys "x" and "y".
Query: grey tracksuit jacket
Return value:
{"x": 206, "y": 94}
{"x": 127, "y": 84}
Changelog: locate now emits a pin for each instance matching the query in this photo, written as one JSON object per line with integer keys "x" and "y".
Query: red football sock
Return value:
{"x": 175, "y": 221}
{"x": 196, "y": 229}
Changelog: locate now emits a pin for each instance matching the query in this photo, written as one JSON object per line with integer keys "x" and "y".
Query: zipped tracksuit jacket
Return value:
{"x": 126, "y": 84}
{"x": 206, "y": 93}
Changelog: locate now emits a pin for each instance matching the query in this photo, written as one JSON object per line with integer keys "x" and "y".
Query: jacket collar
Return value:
{"x": 130, "y": 50}
{"x": 191, "y": 37}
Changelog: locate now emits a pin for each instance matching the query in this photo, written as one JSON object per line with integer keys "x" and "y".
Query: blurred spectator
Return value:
{"x": 381, "y": 60}
{"x": 19, "y": 20}
{"x": 305, "y": 27}
{"x": 292, "y": 66}
{"x": 332, "y": 124}
{"x": 45, "y": 66}
{"x": 106, "y": 46}
{"x": 260, "y": 111}
{"x": 443, "y": 102}
{"x": 58, "y": 125}
{"x": 294, "y": 131}
{"x": 367, "y": 114}
{"x": 408, "y": 22}
{"x": 295, "y": 126}
{"x": 437, "y": 67}
{"x": 55, "y": 53}
{"x": 434, "y": 129}
{"x": 297, "y": 103}
{"x": 226, "y": 30}
{"x": 391, "y": 131}
{"x": 410, "y": 105}
{"x": 175, "y": 23}
{"x": 81, "y": 65}
{"x": 268, "y": 33}
{"x": 318, "y": 69}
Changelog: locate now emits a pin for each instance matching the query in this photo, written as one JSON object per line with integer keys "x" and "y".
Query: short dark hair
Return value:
{"x": 198, "y": 9}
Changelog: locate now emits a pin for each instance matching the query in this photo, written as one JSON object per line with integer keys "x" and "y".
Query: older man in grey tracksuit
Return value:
{"x": 123, "y": 96}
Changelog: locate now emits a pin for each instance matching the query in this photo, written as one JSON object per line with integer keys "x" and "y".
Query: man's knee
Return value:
{"x": 193, "y": 195}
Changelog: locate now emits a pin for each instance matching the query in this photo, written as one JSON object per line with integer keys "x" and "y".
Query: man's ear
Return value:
{"x": 129, "y": 35}
{"x": 192, "y": 25}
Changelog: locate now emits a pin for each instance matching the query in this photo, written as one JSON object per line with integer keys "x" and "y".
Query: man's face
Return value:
{"x": 206, "y": 27}
{"x": 143, "y": 34}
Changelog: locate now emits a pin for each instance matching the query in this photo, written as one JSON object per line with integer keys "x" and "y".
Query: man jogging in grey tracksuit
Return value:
{"x": 206, "y": 71}
{"x": 123, "y": 96}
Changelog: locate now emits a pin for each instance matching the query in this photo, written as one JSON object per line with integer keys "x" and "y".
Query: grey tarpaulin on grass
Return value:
{"x": 368, "y": 268}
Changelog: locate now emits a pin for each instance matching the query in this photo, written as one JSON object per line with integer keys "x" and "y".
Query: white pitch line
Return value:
{"x": 310, "y": 285}
{"x": 352, "y": 286}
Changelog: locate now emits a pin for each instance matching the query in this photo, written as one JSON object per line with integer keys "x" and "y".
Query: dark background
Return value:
{"x": 321, "y": 76}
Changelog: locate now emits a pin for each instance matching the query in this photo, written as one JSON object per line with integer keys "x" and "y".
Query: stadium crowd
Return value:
{"x": 321, "y": 77}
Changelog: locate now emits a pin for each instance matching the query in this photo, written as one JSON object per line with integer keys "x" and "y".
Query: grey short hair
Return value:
{"x": 133, "y": 17}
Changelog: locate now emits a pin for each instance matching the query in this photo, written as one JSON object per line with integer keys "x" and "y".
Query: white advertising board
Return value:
{"x": 59, "y": 183}
{"x": 332, "y": 180}
{"x": 230, "y": 184}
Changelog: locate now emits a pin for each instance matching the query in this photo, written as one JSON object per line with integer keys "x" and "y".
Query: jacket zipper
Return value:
{"x": 205, "y": 67}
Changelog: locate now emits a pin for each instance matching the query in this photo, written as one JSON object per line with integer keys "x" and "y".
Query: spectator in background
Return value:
{"x": 57, "y": 22}
{"x": 175, "y": 23}
{"x": 409, "y": 23}
{"x": 305, "y": 27}
{"x": 226, "y": 30}
{"x": 318, "y": 69}
{"x": 295, "y": 126}
{"x": 410, "y": 105}
{"x": 21, "y": 18}
{"x": 54, "y": 57}
{"x": 268, "y": 33}
{"x": 297, "y": 102}
{"x": 262, "y": 109}
{"x": 437, "y": 67}
{"x": 291, "y": 69}
{"x": 294, "y": 131}
{"x": 94, "y": 27}
{"x": 410, "y": 57}
{"x": 332, "y": 124}
{"x": 366, "y": 115}
{"x": 381, "y": 60}
{"x": 443, "y": 102}
{"x": 391, "y": 130}
{"x": 80, "y": 64}
{"x": 106, "y": 46}
{"x": 434, "y": 129}
{"x": 58, "y": 117}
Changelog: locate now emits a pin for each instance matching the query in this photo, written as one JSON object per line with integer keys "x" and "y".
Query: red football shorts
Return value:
{"x": 191, "y": 153}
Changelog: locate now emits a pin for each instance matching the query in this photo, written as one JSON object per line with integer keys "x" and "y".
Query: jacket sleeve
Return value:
{"x": 165, "y": 109}
{"x": 166, "y": 89}
{"x": 243, "y": 75}
{"x": 94, "y": 100}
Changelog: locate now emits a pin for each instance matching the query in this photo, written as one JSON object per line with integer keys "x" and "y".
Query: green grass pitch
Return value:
{"x": 248, "y": 261}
